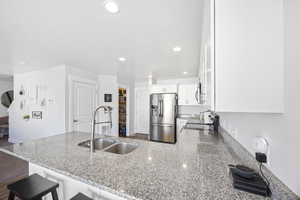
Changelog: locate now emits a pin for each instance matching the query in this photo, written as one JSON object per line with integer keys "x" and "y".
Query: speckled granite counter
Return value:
{"x": 193, "y": 169}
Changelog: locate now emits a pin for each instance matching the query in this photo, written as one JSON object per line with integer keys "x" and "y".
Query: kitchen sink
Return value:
{"x": 122, "y": 148}
{"x": 100, "y": 143}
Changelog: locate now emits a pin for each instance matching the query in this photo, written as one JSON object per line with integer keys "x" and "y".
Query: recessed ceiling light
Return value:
{"x": 122, "y": 59}
{"x": 177, "y": 49}
{"x": 185, "y": 72}
{"x": 111, "y": 6}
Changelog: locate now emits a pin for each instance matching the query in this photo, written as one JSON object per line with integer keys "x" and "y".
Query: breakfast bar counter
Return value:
{"x": 195, "y": 168}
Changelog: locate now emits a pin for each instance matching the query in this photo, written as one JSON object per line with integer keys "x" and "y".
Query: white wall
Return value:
{"x": 249, "y": 56}
{"x": 5, "y": 85}
{"x": 281, "y": 130}
{"x": 56, "y": 115}
{"x": 109, "y": 85}
{"x": 52, "y": 82}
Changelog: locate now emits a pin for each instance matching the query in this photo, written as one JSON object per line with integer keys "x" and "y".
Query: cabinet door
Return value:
{"x": 142, "y": 108}
{"x": 164, "y": 88}
{"x": 186, "y": 94}
{"x": 191, "y": 92}
{"x": 181, "y": 95}
{"x": 249, "y": 56}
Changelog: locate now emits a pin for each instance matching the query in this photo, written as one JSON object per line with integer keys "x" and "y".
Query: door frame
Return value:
{"x": 127, "y": 108}
{"x": 71, "y": 80}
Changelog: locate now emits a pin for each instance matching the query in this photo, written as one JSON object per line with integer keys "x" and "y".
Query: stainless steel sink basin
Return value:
{"x": 100, "y": 143}
{"x": 122, "y": 148}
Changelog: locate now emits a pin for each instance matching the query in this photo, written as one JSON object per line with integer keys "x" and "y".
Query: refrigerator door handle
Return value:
{"x": 162, "y": 108}
{"x": 159, "y": 109}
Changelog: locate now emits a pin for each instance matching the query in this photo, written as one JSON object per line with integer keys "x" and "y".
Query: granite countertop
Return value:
{"x": 195, "y": 119}
{"x": 193, "y": 169}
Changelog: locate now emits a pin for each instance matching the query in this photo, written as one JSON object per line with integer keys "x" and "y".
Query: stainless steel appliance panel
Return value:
{"x": 155, "y": 112}
{"x": 163, "y": 133}
{"x": 163, "y": 117}
{"x": 163, "y": 108}
{"x": 168, "y": 107}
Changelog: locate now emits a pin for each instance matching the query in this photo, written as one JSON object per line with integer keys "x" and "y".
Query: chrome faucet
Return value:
{"x": 107, "y": 109}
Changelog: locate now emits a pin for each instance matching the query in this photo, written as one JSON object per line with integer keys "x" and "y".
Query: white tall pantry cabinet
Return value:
{"x": 142, "y": 110}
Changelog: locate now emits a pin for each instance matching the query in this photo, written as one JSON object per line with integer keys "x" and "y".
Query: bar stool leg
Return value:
{"x": 54, "y": 194}
{"x": 11, "y": 196}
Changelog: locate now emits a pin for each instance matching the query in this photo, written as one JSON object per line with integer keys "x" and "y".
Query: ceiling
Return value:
{"x": 37, "y": 34}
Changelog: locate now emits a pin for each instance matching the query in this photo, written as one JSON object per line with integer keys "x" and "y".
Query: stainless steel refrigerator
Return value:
{"x": 163, "y": 113}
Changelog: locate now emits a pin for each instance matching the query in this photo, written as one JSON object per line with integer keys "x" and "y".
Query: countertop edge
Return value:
{"x": 99, "y": 186}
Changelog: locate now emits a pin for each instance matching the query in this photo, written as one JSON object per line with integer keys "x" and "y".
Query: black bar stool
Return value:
{"x": 33, "y": 187}
{"x": 81, "y": 196}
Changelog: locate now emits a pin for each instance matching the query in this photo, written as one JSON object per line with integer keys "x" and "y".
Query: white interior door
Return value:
{"x": 142, "y": 108}
{"x": 84, "y": 99}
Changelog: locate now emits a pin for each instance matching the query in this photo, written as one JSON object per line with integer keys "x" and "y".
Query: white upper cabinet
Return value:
{"x": 249, "y": 56}
{"x": 206, "y": 64}
{"x": 164, "y": 88}
{"x": 187, "y": 94}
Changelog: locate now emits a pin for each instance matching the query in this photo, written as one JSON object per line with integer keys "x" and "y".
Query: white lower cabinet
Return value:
{"x": 69, "y": 187}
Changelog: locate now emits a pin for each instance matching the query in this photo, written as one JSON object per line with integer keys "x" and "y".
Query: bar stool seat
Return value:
{"x": 81, "y": 196}
{"x": 32, "y": 188}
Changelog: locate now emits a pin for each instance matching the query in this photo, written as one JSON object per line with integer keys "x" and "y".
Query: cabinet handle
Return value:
{"x": 196, "y": 95}
{"x": 161, "y": 110}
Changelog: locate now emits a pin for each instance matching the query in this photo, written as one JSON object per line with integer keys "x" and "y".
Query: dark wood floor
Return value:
{"x": 11, "y": 169}
{"x": 139, "y": 136}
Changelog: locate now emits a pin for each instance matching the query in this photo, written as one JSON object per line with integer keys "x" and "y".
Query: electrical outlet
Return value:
{"x": 261, "y": 145}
